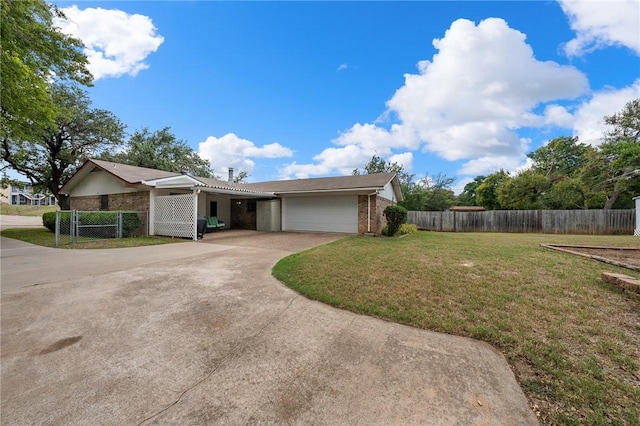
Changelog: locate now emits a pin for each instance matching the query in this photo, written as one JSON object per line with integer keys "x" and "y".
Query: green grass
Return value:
{"x": 46, "y": 238}
{"x": 12, "y": 210}
{"x": 572, "y": 340}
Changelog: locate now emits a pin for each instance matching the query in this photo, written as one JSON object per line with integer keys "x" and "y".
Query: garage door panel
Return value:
{"x": 325, "y": 214}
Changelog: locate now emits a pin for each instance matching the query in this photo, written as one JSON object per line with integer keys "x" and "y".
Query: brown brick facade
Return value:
{"x": 133, "y": 201}
{"x": 243, "y": 214}
{"x": 378, "y": 221}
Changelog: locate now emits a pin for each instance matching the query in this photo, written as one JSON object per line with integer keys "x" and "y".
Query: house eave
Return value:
{"x": 229, "y": 191}
{"x": 355, "y": 191}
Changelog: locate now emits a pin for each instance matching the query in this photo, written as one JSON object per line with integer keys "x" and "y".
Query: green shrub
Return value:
{"x": 408, "y": 228}
{"x": 396, "y": 216}
{"x": 385, "y": 231}
{"x": 130, "y": 223}
{"x": 49, "y": 220}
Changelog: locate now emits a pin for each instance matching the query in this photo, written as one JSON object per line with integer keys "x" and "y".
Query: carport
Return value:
{"x": 176, "y": 203}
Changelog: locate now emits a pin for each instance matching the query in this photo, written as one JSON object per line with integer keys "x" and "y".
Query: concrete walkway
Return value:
{"x": 201, "y": 333}
{"x": 9, "y": 221}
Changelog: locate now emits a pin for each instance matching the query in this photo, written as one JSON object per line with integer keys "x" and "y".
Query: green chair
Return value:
{"x": 214, "y": 224}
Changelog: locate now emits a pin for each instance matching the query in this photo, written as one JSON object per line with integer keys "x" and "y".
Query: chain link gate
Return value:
{"x": 74, "y": 226}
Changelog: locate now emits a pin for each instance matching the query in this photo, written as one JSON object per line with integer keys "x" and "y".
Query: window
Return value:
{"x": 251, "y": 206}
{"x": 104, "y": 202}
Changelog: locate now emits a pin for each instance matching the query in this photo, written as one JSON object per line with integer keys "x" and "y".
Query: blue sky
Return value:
{"x": 307, "y": 89}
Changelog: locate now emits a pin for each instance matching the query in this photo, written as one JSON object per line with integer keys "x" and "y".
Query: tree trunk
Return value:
{"x": 613, "y": 198}
{"x": 64, "y": 202}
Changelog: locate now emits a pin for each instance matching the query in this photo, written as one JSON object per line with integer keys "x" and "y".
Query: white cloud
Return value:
{"x": 489, "y": 164}
{"x": 404, "y": 159}
{"x": 602, "y": 23}
{"x": 556, "y": 115}
{"x": 480, "y": 87}
{"x": 232, "y": 151}
{"x": 303, "y": 171}
{"x": 589, "y": 123}
{"x": 116, "y": 43}
{"x": 466, "y": 103}
{"x": 342, "y": 67}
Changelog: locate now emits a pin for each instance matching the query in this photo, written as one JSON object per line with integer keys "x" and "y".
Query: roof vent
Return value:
{"x": 230, "y": 181}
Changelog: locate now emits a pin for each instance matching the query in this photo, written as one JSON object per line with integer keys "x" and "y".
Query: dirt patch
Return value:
{"x": 628, "y": 257}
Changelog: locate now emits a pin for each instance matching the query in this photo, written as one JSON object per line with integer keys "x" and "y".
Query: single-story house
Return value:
{"x": 346, "y": 204}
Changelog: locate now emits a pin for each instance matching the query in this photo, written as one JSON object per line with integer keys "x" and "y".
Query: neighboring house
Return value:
{"x": 23, "y": 195}
{"x": 347, "y": 204}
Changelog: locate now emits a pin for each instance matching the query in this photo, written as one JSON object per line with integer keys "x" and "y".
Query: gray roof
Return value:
{"x": 368, "y": 181}
{"x": 132, "y": 174}
{"x": 214, "y": 182}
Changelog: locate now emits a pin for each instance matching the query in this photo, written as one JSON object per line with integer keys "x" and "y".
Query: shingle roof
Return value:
{"x": 132, "y": 174}
{"x": 376, "y": 180}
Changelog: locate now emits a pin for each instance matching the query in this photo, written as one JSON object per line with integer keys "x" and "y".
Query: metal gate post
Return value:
{"x": 73, "y": 224}
{"x": 57, "y": 228}
{"x": 119, "y": 222}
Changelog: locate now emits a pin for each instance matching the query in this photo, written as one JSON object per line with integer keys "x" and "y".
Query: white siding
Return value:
{"x": 387, "y": 192}
{"x": 100, "y": 183}
{"x": 330, "y": 213}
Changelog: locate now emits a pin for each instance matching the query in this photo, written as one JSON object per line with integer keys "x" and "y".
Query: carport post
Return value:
{"x": 195, "y": 214}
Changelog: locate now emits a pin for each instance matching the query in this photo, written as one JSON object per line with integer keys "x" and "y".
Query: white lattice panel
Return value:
{"x": 636, "y": 232}
{"x": 174, "y": 215}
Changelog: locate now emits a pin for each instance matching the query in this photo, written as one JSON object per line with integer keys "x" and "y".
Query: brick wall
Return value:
{"x": 381, "y": 221}
{"x": 378, "y": 221}
{"x": 85, "y": 203}
{"x": 243, "y": 217}
{"x": 136, "y": 201}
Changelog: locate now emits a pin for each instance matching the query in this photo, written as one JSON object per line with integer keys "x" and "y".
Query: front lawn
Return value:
{"x": 44, "y": 237}
{"x": 572, "y": 340}
{"x": 14, "y": 210}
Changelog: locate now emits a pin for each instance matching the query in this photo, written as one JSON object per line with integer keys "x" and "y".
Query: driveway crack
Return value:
{"x": 236, "y": 350}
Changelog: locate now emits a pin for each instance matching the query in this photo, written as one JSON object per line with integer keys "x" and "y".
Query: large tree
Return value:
{"x": 431, "y": 193}
{"x": 615, "y": 168}
{"x": 561, "y": 157}
{"x": 525, "y": 191}
{"x": 468, "y": 196}
{"x": 34, "y": 53}
{"x": 438, "y": 195}
{"x": 411, "y": 192}
{"x": 161, "y": 150}
{"x": 49, "y": 158}
{"x": 486, "y": 195}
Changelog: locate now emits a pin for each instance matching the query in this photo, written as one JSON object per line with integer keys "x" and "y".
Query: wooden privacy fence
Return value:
{"x": 605, "y": 222}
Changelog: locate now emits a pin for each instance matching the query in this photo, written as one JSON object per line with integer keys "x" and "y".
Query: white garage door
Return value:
{"x": 337, "y": 213}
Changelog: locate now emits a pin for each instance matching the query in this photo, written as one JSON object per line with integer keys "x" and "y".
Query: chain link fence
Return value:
{"x": 74, "y": 226}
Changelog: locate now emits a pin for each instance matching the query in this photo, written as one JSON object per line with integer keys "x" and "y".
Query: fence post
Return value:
{"x": 119, "y": 224}
{"x": 57, "y": 228}
{"x": 73, "y": 226}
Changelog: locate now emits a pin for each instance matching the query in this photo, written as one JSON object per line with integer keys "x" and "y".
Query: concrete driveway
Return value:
{"x": 201, "y": 333}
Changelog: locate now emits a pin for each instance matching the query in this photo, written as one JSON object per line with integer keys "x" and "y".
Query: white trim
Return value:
{"x": 195, "y": 214}
{"x": 355, "y": 191}
{"x": 161, "y": 181}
